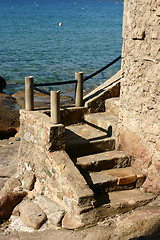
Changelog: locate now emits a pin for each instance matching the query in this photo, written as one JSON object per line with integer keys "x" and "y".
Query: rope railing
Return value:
{"x": 41, "y": 90}
{"x": 54, "y": 84}
{"x": 102, "y": 69}
{"x": 74, "y": 81}
{"x": 79, "y": 80}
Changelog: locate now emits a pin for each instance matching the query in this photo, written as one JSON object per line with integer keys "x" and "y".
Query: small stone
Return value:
{"x": 10, "y": 143}
{"x": 29, "y": 180}
{"x": 17, "y": 139}
{"x": 32, "y": 215}
{"x": 69, "y": 222}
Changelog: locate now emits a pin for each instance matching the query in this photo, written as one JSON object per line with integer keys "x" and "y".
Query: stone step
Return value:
{"x": 115, "y": 179}
{"x": 82, "y": 139}
{"x": 119, "y": 202}
{"x": 112, "y": 106}
{"x": 104, "y": 121}
{"x": 103, "y": 161}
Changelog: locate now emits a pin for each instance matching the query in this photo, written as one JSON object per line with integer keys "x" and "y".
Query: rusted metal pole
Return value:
{"x": 29, "y": 94}
{"x": 79, "y": 89}
{"x": 55, "y": 107}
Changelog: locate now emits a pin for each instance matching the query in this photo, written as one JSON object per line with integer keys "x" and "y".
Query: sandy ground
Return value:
{"x": 142, "y": 223}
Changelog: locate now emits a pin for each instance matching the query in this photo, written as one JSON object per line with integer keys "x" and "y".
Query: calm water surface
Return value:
{"x": 33, "y": 43}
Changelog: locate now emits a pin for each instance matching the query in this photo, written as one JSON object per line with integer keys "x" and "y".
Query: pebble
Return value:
{"x": 17, "y": 139}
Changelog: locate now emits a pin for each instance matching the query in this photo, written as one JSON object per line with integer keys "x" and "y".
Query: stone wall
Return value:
{"x": 42, "y": 154}
{"x": 139, "y": 119}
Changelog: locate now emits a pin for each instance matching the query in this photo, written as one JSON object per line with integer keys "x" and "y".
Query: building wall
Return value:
{"x": 139, "y": 119}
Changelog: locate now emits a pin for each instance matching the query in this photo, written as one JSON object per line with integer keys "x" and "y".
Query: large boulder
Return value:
{"x": 41, "y": 100}
{"x": 2, "y": 84}
{"x": 9, "y": 116}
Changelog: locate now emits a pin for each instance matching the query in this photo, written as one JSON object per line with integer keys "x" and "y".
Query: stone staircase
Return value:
{"x": 76, "y": 163}
{"x": 108, "y": 172}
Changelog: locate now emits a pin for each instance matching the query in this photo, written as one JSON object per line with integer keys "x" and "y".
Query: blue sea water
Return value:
{"x": 33, "y": 43}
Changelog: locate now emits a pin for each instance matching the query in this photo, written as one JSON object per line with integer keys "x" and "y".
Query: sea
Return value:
{"x": 52, "y": 39}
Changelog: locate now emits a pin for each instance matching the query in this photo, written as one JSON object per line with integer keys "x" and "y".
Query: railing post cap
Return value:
{"x": 79, "y": 72}
{"x": 55, "y": 91}
{"x": 29, "y": 76}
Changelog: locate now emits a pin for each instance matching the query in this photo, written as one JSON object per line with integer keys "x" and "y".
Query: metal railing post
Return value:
{"x": 55, "y": 107}
{"x": 29, "y": 94}
{"x": 79, "y": 89}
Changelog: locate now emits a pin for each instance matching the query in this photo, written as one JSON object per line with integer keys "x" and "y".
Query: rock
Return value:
{"x": 6, "y": 101}
{"x": 17, "y": 139}
{"x": 70, "y": 222}
{"x": 9, "y": 116}
{"x": 54, "y": 212}
{"x": 12, "y": 183}
{"x": 8, "y": 201}
{"x": 41, "y": 100}
{"x": 29, "y": 180}
{"x": 142, "y": 222}
{"x": 32, "y": 215}
{"x": 20, "y": 98}
{"x": 2, "y": 83}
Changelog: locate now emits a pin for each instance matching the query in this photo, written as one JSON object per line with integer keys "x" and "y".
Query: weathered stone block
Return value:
{"x": 54, "y": 212}
{"x": 29, "y": 180}
{"x": 31, "y": 214}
